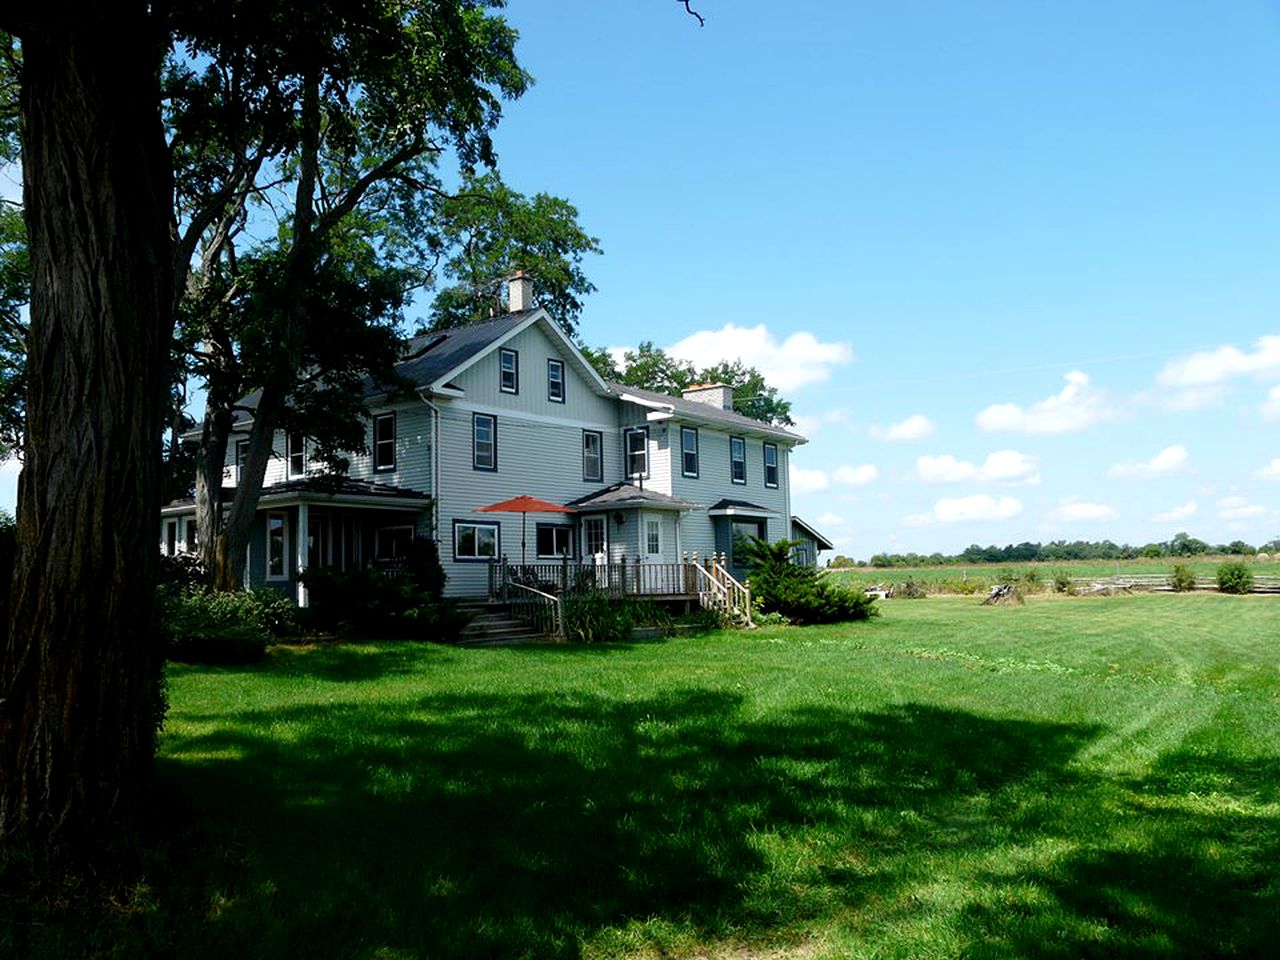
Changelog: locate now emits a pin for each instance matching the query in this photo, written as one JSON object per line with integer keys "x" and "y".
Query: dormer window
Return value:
{"x": 555, "y": 381}
{"x": 508, "y": 371}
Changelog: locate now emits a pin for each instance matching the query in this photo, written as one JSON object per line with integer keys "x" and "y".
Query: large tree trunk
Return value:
{"x": 79, "y": 679}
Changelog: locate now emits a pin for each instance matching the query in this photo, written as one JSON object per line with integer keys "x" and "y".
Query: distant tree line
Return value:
{"x": 1181, "y": 545}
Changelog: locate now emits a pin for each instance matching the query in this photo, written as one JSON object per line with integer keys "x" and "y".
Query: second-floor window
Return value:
{"x": 484, "y": 441}
{"x": 689, "y": 451}
{"x": 737, "y": 460}
{"x": 509, "y": 371}
{"x": 593, "y": 455}
{"x": 296, "y": 450}
{"x": 384, "y": 441}
{"x": 636, "y": 451}
{"x": 555, "y": 381}
{"x": 771, "y": 465}
{"x": 242, "y": 457}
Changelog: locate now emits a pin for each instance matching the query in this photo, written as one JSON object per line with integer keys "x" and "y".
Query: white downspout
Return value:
{"x": 435, "y": 470}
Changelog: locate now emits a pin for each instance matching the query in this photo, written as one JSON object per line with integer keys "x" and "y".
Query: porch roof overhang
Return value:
{"x": 741, "y": 508}
{"x": 322, "y": 491}
{"x": 624, "y": 496}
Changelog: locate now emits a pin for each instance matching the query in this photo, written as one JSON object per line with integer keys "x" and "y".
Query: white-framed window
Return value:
{"x": 689, "y": 451}
{"x": 635, "y": 449}
{"x": 555, "y": 381}
{"x": 593, "y": 541}
{"x": 484, "y": 441}
{"x": 593, "y": 455}
{"x": 475, "y": 541}
{"x": 391, "y": 542}
{"x": 296, "y": 452}
{"x": 653, "y": 537}
{"x": 277, "y": 546}
{"x": 737, "y": 460}
{"x": 508, "y": 370}
{"x": 771, "y": 465}
{"x": 192, "y": 535}
{"x": 384, "y": 441}
{"x": 170, "y": 537}
{"x": 554, "y": 540}
{"x": 242, "y": 457}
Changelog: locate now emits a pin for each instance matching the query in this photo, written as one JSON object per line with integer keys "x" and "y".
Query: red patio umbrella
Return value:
{"x": 524, "y": 505}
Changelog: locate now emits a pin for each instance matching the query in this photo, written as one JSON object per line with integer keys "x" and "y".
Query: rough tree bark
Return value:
{"x": 80, "y": 672}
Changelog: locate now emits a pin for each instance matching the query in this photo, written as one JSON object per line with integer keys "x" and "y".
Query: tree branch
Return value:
{"x": 692, "y": 12}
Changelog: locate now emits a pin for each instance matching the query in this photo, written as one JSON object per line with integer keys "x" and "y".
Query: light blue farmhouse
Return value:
{"x": 511, "y": 407}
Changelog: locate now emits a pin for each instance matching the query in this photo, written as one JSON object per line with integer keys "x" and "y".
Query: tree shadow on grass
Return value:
{"x": 487, "y": 826}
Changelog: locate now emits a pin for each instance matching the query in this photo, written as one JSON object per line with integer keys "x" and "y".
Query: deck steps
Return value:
{"x": 492, "y": 625}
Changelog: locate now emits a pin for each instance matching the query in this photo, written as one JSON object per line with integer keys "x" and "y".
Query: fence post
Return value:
{"x": 564, "y": 574}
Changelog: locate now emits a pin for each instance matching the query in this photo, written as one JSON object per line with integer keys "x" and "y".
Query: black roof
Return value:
{"x": 727, "y": 504}
{"x": 432, "y": 355}
{"x": 327, "y": 486}
{"x": 619, "y": 495}
{"x": 695, "y": 409}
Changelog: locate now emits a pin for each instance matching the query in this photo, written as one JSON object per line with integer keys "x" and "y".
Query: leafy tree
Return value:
{"x": 487, "y": 230}
{"x": 1185, "y": 545}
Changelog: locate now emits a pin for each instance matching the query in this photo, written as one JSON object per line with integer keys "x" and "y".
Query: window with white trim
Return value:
{"x": 689, "y": 451}
{"x": 484, "y": 441}
{"x": 653, "y": 537}
{"x": 771, "y": 465}
{"x": 636, "y": 452}
{"x": 384, "y": 441}
{"x": 474, "y": 541}
{"x": 242, "y": 457}
{"x": 277, "y": 546}
{"x": 296, "y": 452}
{"x": 593, "y": 535}
{"x": 554, "y": 540}
{"x": 192, "y": 535}
{"x": 170, "y": 537}
{"x": 737, "y": 460}
{"x": 392, "y": 542}
{"x": 555, "y": 381}
{"x": 508, "y": 370}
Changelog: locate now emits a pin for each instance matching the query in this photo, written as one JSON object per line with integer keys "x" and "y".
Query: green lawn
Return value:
{"x": 1081, "y": 777}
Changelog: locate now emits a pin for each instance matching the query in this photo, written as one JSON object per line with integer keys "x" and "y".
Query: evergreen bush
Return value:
{"x": 1183, "y": 578}
{"x": 797, "y": 592}
{"x": 1235, "y": 577}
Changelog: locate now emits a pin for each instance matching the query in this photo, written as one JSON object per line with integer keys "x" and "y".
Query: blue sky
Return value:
{"x": 1015, "y": 264}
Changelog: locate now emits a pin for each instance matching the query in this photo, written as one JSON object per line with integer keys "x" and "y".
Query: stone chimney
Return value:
{"x": 713, "y": 394}
{"x": 519, "y": 292}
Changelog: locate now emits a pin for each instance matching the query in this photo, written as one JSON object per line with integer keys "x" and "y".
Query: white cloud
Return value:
{"x": 1223, "y": 363}
{"x": 979, "y": 507}
{"x": 1003, "y": 466}
{"x": 799, "y": 360}
{"x": 808, "y": 481}
{"x": 830, "y": 519}
{"x": 1073, "y": 509}
{"x": 1271, "y": 407}
{"x": 915, "y": 427}
{"x": 1168, "y": 460}
{"x": 1075, "y": 407}
{"x": 918, "y": 519}
{"x": 1238, "y": 508}
{"x": 858, "y": 476}
{"x": 1177, "y": 514}
{"x": 1271, "y": 471}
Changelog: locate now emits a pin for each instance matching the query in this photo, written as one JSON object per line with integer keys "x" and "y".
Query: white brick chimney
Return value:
{"x": 519, "y": 292}
{"x": 714, "y": 394}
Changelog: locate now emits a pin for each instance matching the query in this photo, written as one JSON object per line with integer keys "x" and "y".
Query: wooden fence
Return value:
{"x": 1159, "y": 583}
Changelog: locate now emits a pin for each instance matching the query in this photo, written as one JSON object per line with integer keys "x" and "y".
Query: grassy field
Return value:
{"x": 1073, "y": 778}
{"x": 991, "y": 573}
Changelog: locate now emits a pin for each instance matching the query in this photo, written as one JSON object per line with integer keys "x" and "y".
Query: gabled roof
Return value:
{"x": 739, "y": 508}
{"x": 697, "y": 412}
{"x": 822, "y": 542}
{"x": 624, "y": 496}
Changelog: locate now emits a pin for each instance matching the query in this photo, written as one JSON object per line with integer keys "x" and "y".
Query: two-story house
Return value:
{"x": 511, "y": 407}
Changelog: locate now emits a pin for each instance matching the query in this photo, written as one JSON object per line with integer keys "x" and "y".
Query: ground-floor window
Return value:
{"x": 392, "y": 542}
{"x": 653, "y": 537}
{"x": 277, "y": 546}
{"x": 474, "y": 541}
{"x": 170, "y": 537}
{"x": 193, "y": 538}
{"x": 555, "y": 540}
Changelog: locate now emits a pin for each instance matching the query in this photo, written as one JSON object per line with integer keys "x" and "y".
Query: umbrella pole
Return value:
{"x": 524, "y": 519}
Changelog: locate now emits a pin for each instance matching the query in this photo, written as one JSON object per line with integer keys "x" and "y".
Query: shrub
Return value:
{"x": 1031, "y": 580}
{"x": 202, "y": 626}
{"x": 596, "y": 617}
{"x": 1234, "y": 577}
{"x": 1062, "y": 582}
{"x": 183, "y": 571}
{"x": 375, "y": 603}
{"x": 797, "y": 592}
{"x": 910, "y": 589}
{"x": 1183, "y": 578}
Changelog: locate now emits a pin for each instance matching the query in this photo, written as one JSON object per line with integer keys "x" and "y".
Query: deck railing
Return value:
{"x": 708, "y": 579}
